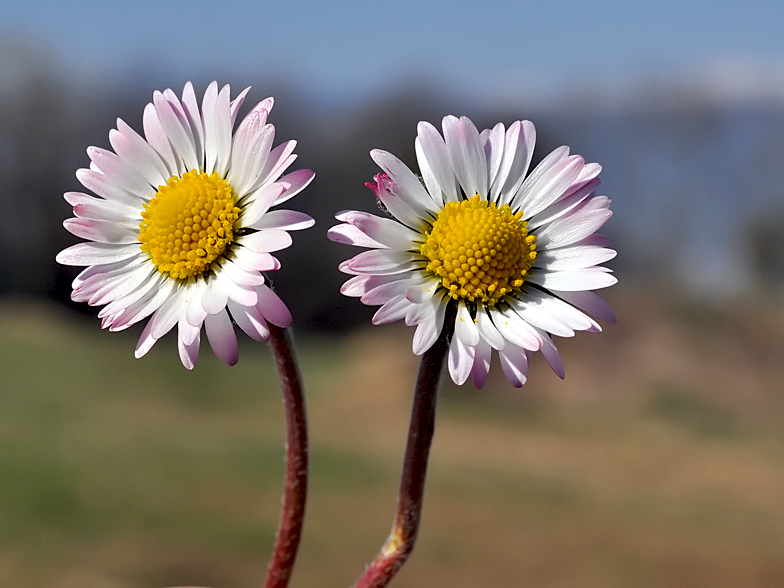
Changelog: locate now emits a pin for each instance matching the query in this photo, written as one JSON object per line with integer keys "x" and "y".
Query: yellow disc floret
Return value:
{"x": 189, "y": 224}
{"x": 479, "y": 251}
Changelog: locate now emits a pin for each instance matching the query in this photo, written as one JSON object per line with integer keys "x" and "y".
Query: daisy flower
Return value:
{"x": 516, "y": 253}
{"x": 181, "y": 228}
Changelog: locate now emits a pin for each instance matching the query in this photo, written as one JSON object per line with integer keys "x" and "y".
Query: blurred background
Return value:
{"x": 658, "y": 462}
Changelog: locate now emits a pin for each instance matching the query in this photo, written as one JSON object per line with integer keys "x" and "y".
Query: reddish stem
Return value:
{"x": 400, "y": 542}
{"x": 293, "y": 512}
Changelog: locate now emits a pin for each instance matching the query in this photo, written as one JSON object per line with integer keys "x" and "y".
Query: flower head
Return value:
{"x": 181, "y": 228}
{"x": 516, "y": 253}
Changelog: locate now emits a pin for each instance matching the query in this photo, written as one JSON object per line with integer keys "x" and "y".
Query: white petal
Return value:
{"x": 259, "y": 202}
{"x": 383, "y": 230}
{"x": 515, "y": 330}
{"x": 552, "y": 356}
{"x": 518, "y": 150}
{"x": 465, "y": 328}
{"x": 494, "y": 150}
{"x": 266, "y": 241}
{"x": 214, "y": 297}
{"x": 488, "y": 330}
{"x": 101, "y": 231}
{"x": 539, "y": 193}
{"x": 208, "y": 103}
{"x": 189, "y": 352}
{"x": 573, "y": 227}
{"x": 221, "y": 336}
{"x": 96, "y": 253}
{"x": 360, "y": 285}
{"x": 138, "y": 154}
{"x": 286, "y": 220}
{"x": 223, "y": 127}
{"x": 569, "y": 281}
{"x": 392, "y": 311}
{"x": 176, "y": 133}
{"x": 461, "y": 360}
{"x": 466, "y": 154}
{"x": 250, "y": 320}
{"x": 395, "y": 205}
{"x": 575, "y": 257}
{"x": 191, "y": 109}
{"x": 167, "y": 315}
{"x": 428, "y": 177}
{"x": 101, "y": 185}
{"x": 156, "y": 137}
{"x": 536, "y": 312}
{"x": 434, "y": 151}
{"x": 427, "y": 332}
{"x": 146, "y": 341}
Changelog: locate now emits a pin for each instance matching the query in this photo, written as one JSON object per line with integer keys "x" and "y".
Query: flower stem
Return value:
{"x": 293, "y": 512}
{"x": 400, "y": 542}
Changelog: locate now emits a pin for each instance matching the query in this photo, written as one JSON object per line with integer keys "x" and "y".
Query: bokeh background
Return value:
{"x": 658, "y": 462}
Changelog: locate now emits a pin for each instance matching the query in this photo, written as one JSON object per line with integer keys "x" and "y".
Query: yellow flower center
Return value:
{"x": 189, "y": 224}
{"x": 480, "y": 252}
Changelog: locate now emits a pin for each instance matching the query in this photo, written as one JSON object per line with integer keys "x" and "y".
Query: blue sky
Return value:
{"x": 349, "y": 50}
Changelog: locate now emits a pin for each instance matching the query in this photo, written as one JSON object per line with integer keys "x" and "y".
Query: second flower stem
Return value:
{"x": 293, "y": 512}
{"x": 400, "y": 542}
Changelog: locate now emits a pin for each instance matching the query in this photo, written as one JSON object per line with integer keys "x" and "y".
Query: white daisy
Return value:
{"x": 181, "y": 229}
{"x": 517, "y": 255}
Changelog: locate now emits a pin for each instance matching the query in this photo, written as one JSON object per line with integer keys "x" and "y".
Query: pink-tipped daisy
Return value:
{"x": 181, "y": 229}
{"x": 517, "y": 254}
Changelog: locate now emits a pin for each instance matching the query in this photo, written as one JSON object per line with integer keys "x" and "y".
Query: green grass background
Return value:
{"x": 658, "y": 462}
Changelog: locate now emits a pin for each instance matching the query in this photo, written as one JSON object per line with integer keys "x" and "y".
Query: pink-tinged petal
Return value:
{"x": 351, "y": 235}
{"x": 96, "y": 253}
{"x": 392, "y": 311}
{"x": 191, "y": 110}
{"x": 176, "y": 127}
{"x": 519, "y": 144}
{"x": 156, "y": 137}
{"x": 141, "y": 295}
{"x": 136, "y": 153}
{"x": 515, "y": 330}
{"x": 119, "y": 286}
{"x": 572, "y": 228}
{"x": 536, "y": 195}
{"x": 214, "y": 297}
{"x": 101, "y": 231}
{"x": 514, "y": 363}
{"x": 590, "y": 302}
{"x": 272, "y": 308}
{"x": 189, "y": 352}
{"x": 558, "y": 308}
{"x": 381, "y": 262}
{"x": 100, "y": 184}
{"x": 186, "y": 332}
{"x": 286, "y": 220}
{"x": 405, "y": 185}
{"x": 427, "y": 332}
{"x": 117, "y": 172}
{"x": 570, "y": 281}
{"x": 221, "y": 336}
{"x": 433, "y": 151}
{"x": 360, "y": 285}
{"x": 278, "y": 161}
{"x": 552, "y": 356}
{"x": 461, "y": 360}
{"x": 144, "y": 307}
{"x": 266, "y": 241}
{"x": 208, "y": 104}
{"x": 565, "y": 205}
{"x": 146, "y": 341}
{"x": 235, "y": 105}
{"x": 253, "y": 261}
{"x": 383, "y": 230}
{"x": 296, "y": 181}
{"x": 488, "y": 331}
{"x": 481, "y": 366}
{"x": 515, "y": 194}
{"x": 259, "y": 203}
{"x": 574, "y": 257}
{"x": 98, "y": 273}
{"x": 465, "y": 328}
{"x": 249, "y": 319}
{"x": 396, "y": 207}
{"x": 384, "y": 292}
{"x": 466, "y": 154}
